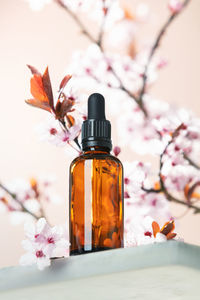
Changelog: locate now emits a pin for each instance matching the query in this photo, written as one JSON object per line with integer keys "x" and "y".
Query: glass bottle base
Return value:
{"x": 82, "y": 251}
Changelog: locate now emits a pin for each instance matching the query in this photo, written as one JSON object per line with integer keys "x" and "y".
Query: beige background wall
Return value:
{"x": 49, "y": 38}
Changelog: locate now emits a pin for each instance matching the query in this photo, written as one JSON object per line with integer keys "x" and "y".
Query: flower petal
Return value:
{"x": 27, "y": 259}
{"x": 43, "y": 262}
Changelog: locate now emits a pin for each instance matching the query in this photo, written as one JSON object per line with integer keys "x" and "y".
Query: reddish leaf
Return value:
{"x": 47, "y": 88}
{"x": 34, "y": 186}
{"x": 37, "y": 89}
{"x": 105, "y": 11}
{"x": 39, "y": 104}
{"x": 168, "y": 228}
{"x": 65, "y": 81}
{"x": 34, "y": 70}
{"x": 156, "y": 228}
{"x": 186, "y": 190}
{"x": 157, "y": 185}
{"x": 170, "y": 236}
{"x": 70, "y": 120}
{"x": 128, "y": 14}
{"x": 4, "y": 200}
{"x": 190, "y": 192}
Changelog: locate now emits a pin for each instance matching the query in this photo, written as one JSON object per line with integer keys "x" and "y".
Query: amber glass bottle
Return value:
{"x": 96, "y": 187}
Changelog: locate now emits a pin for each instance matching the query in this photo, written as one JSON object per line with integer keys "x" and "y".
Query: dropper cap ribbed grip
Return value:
{"x": 96, "y": 130}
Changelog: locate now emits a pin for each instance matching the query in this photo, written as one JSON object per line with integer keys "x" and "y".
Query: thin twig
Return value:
{"x": 173, "y": 199}
{"x": 121, "y": 85}
{"x": 155, "y": 47}
{"x": 77, "y": 20}
{"x": 14, "y": 197}
{"x": 151, "y": 190}
{"x": 191, "y": 162}
{"x": 76, "y": 138}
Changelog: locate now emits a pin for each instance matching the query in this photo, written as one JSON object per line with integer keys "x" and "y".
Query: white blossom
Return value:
{"x": 37, "y": 5}
{"x": 43, "y": 243}
{"x": 52, "y": 132}
{"x": 140, "y": 232}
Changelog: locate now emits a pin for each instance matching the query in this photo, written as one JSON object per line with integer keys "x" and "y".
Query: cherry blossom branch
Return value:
{"x": 170, "y": 197}
{"x": 155, "y": 47}
{"x": 162, "y": 184}
{"x": 152, "y": 190}
{"x": 23, "y": 208}
{"x": 99, "y": 43}
{"x": 163, "y": 188}
{"x": 173, "y": 199}
{"x": 139, "y": 99}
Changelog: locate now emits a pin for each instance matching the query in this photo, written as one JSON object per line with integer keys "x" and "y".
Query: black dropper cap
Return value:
{"x": 96, "y": 130}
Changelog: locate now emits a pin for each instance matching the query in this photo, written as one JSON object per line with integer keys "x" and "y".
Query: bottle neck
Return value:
{"x": 96, "y": 149}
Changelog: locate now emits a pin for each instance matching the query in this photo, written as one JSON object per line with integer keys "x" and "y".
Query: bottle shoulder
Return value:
{"x": 96, "y": 156}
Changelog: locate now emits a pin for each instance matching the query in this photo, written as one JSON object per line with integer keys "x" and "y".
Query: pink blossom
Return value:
{"x": 121, "y": 38}
{"x": 143, "y": 204}
{"x": 52, "y": 131}
{"x": 91, "y": 67}
{"x": 36, "y": 254}
{"x": 30, "y": 198}
{"x": 95, "y": 10}
{"x": 175, "y": 6}
{"x": 140, "y": 232}
{"x": 162, "y": 63}
{"x": 134, "y": 176}
{"x": 179, "y": 176}
{"x": 42, "y": 243}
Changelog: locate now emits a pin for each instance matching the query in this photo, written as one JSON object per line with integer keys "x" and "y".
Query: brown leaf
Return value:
{"x": 170, "y": 236}
{"x": 156, "y": 228}
{"x": 178, "y": 129}
{"x": 64, "y": 81}
{"x": 168, "y": 228}
{"x": 39, "y": 104}
{"x": 34, "y": 70}
{"x": 62, "y": 108}
{"x": 47, "y": 88}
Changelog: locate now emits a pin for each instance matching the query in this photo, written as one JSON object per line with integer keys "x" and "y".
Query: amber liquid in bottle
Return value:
{"x": 96, "y": 201}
